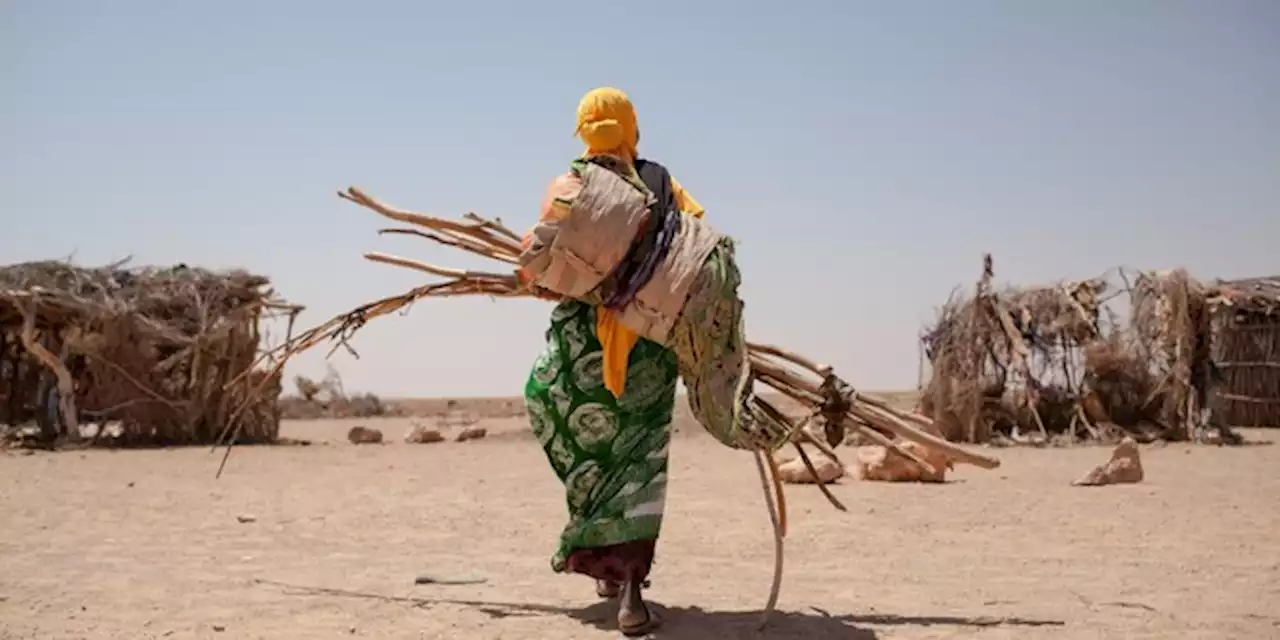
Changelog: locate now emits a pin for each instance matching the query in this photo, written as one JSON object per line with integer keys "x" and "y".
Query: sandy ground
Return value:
{"x": 147, "y": 544}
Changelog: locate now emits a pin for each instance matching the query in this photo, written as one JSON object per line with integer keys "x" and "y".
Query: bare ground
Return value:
{"x": 147, "y": 544}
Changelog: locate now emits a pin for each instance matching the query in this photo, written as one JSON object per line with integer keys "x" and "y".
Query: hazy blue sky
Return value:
{"x": 864, "y": 154}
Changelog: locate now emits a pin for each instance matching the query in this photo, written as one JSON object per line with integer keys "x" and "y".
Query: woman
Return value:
{"x": 600, "y": 399}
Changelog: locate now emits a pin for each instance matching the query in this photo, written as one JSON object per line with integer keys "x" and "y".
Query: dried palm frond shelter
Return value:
{"x": 1245, "y": 318}
{"x": 149, "y": 351}
{"x": 1170, "y": 323}
{"x": 1009, "y": 362}
{"x": 1032, "y": 364}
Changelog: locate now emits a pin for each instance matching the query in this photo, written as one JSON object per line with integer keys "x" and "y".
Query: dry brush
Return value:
{"x": 150, "y": 352}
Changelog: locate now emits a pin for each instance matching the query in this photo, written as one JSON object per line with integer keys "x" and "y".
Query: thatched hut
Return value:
{"x": 1009, "y": 363}
{"x": 1245, "y": 316}
{"x": 1042, "y": 363}
{"x": 1170, "y": 320}
{"x": 1053, "y": 363}
{"x": 152, "y": 356}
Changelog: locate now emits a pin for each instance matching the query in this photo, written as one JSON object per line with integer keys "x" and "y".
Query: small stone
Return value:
{"x": 246, "y": 519}
{"x": 471, "y": 433}
{"x": 422, "y": 434}
{"x": 364, "y": 435}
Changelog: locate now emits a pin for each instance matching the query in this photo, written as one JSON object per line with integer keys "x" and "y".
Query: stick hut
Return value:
{"x": 1053, "y": 364}
{"x": 1170, "y": 323}
{"x": 1245, "y": 319}
{"x": 145, "y": 353}
{"x": 1003, "y": 363}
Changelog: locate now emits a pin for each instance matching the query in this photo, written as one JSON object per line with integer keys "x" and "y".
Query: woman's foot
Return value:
{"x": 635, "y": 618}
{"x": 607, "y": 589}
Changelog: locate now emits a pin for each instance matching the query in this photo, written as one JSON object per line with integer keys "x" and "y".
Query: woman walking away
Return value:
{"x": 600, "y": 398}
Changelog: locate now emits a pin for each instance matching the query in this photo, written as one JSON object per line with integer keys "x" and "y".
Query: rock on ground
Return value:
{"x": 422, "y": 434}
{"x": 471, "y": 433}
{"x": 881, "y": 464}
{"x": 364, "y": 435}
{"x": 1124, "y": 467}
{"x": 794, "y": 472}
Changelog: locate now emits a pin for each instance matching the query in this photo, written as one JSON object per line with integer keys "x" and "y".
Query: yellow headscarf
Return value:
{"x": 607, "y": 123}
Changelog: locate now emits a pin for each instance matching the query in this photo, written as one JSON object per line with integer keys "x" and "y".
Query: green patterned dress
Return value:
{"x": 610, "y": 453}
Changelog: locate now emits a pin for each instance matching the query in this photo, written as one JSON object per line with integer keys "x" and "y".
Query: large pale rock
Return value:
{"x": 364, "y": 435}
{"x": 422, "y": 434}
{"x": 1124, "y": 467}
{"x": 881, "y": 464}
{"x": 795, "y": 472}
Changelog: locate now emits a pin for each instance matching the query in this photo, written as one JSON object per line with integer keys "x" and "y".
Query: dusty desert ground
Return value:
{"x": 325, "y": 541}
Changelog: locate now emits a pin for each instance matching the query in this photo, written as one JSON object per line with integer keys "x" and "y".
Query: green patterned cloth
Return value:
{"x": 610, "y": 453}
{"x": 711, "y": 349}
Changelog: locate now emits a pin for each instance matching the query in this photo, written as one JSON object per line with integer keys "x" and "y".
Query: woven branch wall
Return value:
{"x": 148, "y": 352}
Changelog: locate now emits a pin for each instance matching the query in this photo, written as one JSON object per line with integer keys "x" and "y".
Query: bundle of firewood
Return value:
{"x": 799, "y": 378}
{"x": 829, "y": 399}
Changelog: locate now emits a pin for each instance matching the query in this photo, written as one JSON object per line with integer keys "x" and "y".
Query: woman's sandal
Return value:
{"x": 651, "y": 623}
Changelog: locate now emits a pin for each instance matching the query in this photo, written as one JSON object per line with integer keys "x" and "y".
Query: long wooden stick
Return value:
{"x": 468, "y": 245}
{"x": 778, "y": 493}
{"x": 794, "y": 358}
{"x": 496, "y": 278}
{"x": 776, "y": 587}
{"x": 822, "y": 486}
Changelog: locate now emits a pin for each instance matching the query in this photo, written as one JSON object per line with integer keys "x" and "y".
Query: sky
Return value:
{"x": 863, "y": 154}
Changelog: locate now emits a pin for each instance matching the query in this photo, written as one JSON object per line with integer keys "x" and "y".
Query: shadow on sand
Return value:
{"x": 694, "y": 623}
